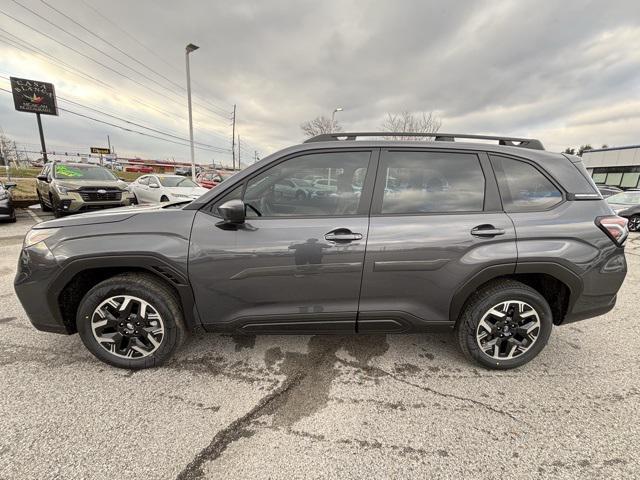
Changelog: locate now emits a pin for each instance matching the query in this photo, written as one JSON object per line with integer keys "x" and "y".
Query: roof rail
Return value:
{"x": 531, "y": 143}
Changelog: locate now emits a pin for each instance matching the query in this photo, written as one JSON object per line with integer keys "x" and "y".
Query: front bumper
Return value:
{"x": 73, "y": 202}
{"x": 36, "y": 268}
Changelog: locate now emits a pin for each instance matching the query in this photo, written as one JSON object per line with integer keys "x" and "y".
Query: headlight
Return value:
{"x": 4, "y": 195}
{"x": 62, "y": 189}
{"x": 38, "y": 235}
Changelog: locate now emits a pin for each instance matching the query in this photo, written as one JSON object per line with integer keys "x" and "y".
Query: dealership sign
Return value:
{"x": 100, "y": 150}
{"x": 33, "y": 96}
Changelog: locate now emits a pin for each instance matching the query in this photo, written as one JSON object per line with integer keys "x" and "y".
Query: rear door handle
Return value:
{"x": 342, "y": 235}
{"x": 486, "y": 231}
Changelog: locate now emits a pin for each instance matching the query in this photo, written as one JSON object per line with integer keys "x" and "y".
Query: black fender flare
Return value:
{"x": 553, "y": 269}
{"x": 155, "y": 265}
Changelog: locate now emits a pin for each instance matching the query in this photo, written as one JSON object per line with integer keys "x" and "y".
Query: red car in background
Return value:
{"x": 211, "y": 179}
{"x": 138, "y": 169}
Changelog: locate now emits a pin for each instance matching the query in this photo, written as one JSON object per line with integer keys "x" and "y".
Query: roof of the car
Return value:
{"x": 77, "y": 164}
{"x": 413, "y": 144}
{"x": 542, "y": 157}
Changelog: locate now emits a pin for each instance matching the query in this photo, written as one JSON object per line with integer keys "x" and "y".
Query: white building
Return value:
{"x": 615, "y": 166}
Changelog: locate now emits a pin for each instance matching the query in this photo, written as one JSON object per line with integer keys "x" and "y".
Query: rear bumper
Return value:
{"x": 599, "y": 289}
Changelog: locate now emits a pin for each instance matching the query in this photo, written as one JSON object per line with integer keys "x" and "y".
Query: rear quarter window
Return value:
{"x": 523, "y": 187}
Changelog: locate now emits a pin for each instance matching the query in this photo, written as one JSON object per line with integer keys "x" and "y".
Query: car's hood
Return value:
{"x": 103, "y": 216}
{"x": 77, "y": 184}
{"x": 190, "y": 191}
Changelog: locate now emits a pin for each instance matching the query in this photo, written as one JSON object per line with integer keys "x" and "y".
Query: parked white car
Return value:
{"x": 165, "y": 188}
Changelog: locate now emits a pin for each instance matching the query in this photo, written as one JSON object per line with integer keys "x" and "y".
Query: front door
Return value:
{"x": 296, "y": 264}
{"x": 436, "y": 222}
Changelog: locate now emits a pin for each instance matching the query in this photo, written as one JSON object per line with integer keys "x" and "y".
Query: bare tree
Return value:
{"x": 418, "y": 122}
{"x": 319, "y": 125}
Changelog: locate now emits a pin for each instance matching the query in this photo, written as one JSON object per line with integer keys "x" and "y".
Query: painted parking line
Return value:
{"x": 34, "y": 216}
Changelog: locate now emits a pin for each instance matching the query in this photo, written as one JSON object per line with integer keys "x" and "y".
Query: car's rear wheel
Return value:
{"x": 634, "y": 223}
{"x": 504, "y": 325}
{"x": 164, "y": 198}
{"x": 131, "y": 321}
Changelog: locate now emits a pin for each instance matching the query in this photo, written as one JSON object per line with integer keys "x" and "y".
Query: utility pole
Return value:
{"x": 239, "y": 168}
{"x": 233, "y": 138}
{"x": 190, "y": 48}
{"x": 109, "y": 143}
{"x": 255, "y": 156}
{"x": 44, "y": 148}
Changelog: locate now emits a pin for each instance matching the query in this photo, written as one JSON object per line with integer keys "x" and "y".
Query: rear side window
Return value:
{"x": 431, "y": 182}
{"x": 523, "y": 187}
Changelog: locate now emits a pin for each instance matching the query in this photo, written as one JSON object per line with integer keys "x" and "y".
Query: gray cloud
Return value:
{"x": 563, "y": 71}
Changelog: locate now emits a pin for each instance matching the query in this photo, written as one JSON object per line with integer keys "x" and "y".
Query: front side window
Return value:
{"x": 318, "y": 184}
{"x": 177, "y": 181}
{"x": 431, "y": 182}
{"x": 523, "y": 187}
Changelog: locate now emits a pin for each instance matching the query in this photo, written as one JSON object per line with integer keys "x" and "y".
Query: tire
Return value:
{"x": 300, "y": 195}
{"x": 501, "y": 297}
{"x": 43, "y": 206}
{"x": 154, "y": 347}
{"x": 634, "y": 223}
{"x": 57, "y": 213}
{"x": 164, "y": 199}
{"x": 135, "y": 200}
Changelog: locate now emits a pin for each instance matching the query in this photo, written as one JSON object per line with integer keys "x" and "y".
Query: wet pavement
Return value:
{"x": 380, "y": 406}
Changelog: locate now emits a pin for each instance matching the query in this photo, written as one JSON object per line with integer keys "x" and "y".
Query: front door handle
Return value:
{"x": 486, "y": 231}
{"x": 342, "y": 235}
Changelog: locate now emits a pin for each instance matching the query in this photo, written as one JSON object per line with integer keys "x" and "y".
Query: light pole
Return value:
{"x": 333, "y": 117}
{"x": 190, "y": 48}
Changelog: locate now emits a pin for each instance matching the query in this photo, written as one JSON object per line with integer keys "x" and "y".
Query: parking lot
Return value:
{"x": 319, "y": 406}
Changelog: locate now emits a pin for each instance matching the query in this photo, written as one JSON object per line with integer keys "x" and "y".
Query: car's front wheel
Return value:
{"x": 131, "y": 321}
{"x": 504, "y": 325}
{"x": 43, "y": 206}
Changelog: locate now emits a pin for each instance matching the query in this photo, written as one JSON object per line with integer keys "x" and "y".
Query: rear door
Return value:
{"x": 141, "y": 187}
{"x": 436, "y": 222}
{"x": 295, "y": 265}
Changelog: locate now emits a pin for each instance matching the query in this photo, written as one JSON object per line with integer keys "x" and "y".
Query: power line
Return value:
{"x": 129, "y": 122}
{"x": 110, "y": 44}
{"x": 82, "y": 74}
{"x": 213, "y": 149}
{"x": 137, "y": 82}
{"x": 150, "y": 50}
{"x": 151, "y": 79}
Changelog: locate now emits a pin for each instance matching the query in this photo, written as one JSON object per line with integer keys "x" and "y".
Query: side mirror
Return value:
{"x": 10, "y": 185}
{"x": 43, "y": 178}
{"x": 233, "y": 211}
{"x": 154, "y": 185}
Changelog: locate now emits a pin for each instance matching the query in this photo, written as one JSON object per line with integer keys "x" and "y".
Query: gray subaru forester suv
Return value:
{"x": 498, "y": 242}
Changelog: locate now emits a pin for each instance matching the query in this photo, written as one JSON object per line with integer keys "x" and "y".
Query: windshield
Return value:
{"x": 625, "y": 198}
{"x": 82, "y": 172}
{"x": 177, "y": 181}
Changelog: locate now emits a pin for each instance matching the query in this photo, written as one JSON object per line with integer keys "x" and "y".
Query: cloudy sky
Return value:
{"x": 565, "y": 72}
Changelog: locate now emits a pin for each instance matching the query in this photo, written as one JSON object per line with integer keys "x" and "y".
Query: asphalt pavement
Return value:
{"x": 283, "y": 407}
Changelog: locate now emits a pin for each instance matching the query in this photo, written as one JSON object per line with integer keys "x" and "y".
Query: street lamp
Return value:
{"x": 190, "y": 48}
{"x": 333, "y": 116}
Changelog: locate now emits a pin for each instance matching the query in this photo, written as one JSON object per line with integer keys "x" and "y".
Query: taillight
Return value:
{"x": 615, "y": 227}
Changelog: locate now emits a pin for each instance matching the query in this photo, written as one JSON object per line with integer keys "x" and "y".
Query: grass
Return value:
{"x": 26, "y": 189}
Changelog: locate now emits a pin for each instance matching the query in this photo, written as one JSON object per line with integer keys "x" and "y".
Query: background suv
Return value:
{"x": 498, "y": 242}
{"x": 75, "y": 187}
